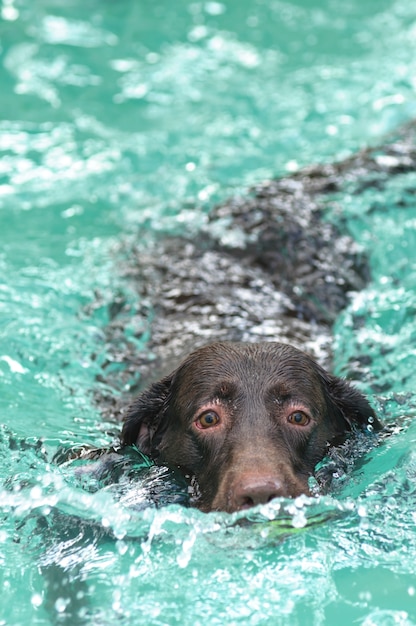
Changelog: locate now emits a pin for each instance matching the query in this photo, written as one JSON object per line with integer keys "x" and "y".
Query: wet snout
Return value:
{"x": 254, "y": 481}
{"x": 251, "y": 489}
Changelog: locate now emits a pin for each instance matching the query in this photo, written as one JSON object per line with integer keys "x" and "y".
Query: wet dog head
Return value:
{"x": 248, "y": 421}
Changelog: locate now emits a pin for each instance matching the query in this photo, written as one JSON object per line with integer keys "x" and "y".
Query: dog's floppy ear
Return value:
{"x": 353, "y": 405}
{"x": 145, "y": 419}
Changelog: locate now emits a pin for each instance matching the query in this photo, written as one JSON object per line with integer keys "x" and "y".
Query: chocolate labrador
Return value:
{"x": 247, "y": 421}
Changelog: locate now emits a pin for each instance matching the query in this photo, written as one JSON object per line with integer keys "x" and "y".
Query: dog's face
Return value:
{"x": 248, "y": 421}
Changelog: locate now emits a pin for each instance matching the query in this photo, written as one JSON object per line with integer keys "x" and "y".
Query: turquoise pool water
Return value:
{"x": 117, "y": 119}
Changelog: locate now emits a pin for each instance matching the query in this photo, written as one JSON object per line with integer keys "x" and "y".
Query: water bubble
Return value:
{"x": 122, "y": 547}
{"x": 36, "y": 600}
{"x": 9, "y": 13}
{"x": 36, "y": 493}
{"x": 299, "y": 520}
{"x": 61, "y": 604}
{"x": 152, "y": 57}
{"x": 365, "y": 596}
{"x": 119, "y": 533}
{"x": 214, "y": 8}
{"x": 185, "y": 555}
{"x": 264, "y": 533}
{"x": 197, "y": 33}
{"x": 362, "y": 511}
{"x": 292, "y": 166}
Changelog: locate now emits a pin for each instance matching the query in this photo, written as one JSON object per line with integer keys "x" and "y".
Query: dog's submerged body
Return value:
{"x": 248, "y": 421}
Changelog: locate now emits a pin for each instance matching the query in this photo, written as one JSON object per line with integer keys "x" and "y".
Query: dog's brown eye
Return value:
{"x": 208, "y": 419}
{"x": 298, "y": 418}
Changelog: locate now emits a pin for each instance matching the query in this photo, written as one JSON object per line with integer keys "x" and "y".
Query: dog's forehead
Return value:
{"x": 252, "y": 364}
